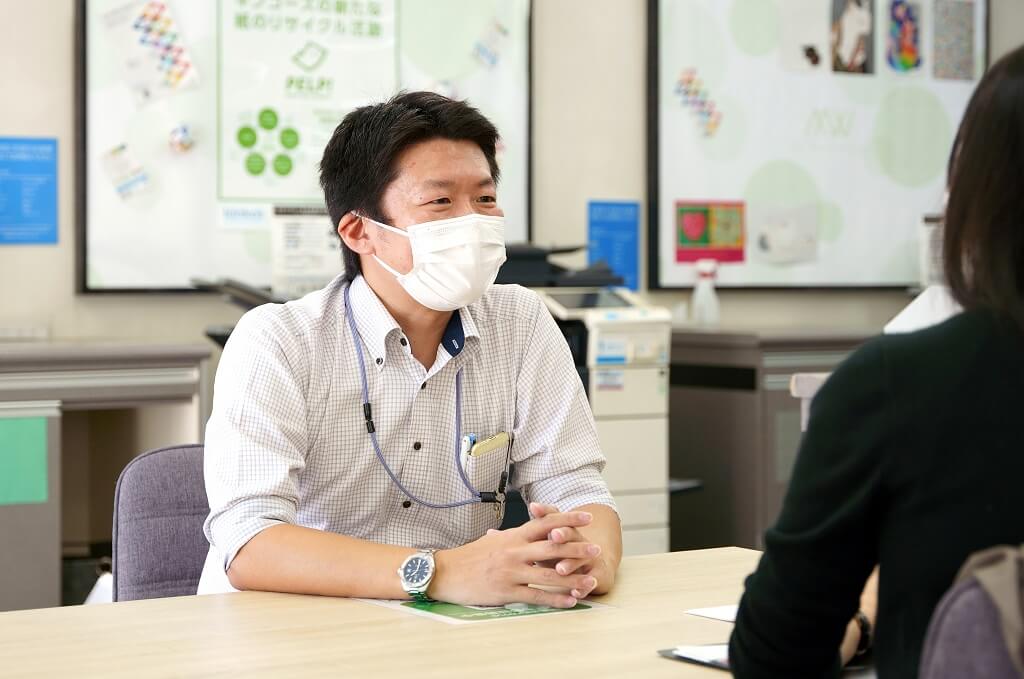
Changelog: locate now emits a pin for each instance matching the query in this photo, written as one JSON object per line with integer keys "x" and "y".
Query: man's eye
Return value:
{"x": 441, "y": 201}
{"x": 488, "y": 199}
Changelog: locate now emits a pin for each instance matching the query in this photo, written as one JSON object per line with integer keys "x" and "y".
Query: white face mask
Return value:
{"x": 454, "y": 261}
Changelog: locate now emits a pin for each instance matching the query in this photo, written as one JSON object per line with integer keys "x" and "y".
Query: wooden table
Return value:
{"x": 279, "y": 635}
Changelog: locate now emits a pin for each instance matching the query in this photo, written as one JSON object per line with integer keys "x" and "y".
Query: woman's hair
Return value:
{"x": 983, "y": 242}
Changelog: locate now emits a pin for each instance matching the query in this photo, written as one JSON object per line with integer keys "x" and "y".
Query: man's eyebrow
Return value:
{"x": 447, "y": 183}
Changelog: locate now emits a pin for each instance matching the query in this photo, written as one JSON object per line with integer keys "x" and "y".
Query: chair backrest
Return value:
{"x": 965, "y": 638}
{"x": 159, "y": 507}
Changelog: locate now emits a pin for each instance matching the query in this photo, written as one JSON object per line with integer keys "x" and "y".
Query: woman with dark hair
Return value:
{"x": 914, "y": 454}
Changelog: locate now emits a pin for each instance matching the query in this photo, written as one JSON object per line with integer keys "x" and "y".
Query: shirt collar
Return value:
{"x": 373, "y": 320}
{"x": 374, "y": 323}
{"x": 460, "y": 332}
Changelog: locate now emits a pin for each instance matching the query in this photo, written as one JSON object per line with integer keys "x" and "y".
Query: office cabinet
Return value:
{"x": 734, "y": 425}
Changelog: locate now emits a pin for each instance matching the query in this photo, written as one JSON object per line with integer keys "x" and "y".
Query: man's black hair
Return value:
{"x": 359, "y": 161}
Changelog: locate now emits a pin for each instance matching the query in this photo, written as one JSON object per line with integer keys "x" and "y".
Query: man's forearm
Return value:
{"x": 301, "y": 560}
{"x": 605, "y": 530}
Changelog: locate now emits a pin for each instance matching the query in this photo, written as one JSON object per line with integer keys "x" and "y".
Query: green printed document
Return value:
{"x": 23, "y": 474}
{"x": 454, "y": 614}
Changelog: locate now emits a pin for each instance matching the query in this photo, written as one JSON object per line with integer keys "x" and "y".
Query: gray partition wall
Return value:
{"x": 30, "y": 546}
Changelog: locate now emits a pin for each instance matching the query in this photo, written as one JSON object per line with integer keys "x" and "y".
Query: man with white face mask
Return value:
{"x": 364, "y": 437}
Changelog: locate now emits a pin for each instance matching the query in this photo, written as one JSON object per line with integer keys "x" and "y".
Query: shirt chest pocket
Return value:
{"x": 484, "y": 471}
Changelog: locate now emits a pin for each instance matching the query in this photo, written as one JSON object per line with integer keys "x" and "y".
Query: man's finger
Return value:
{"x": 545, "y": 550}
{"x": 538, "y": 597}
{"x": 538, "y": 529}
{"x": 567, "y": 566}
{"x": 595, "y": 569}
{"x": 563, "y": 535}
{"x": 582, "y": 584}
{"x": 537, "y": 510}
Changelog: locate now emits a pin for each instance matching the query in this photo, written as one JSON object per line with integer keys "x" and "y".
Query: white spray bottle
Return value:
{"x": 705, "y": 301}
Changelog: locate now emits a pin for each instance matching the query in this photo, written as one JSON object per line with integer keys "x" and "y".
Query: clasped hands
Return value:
{"x": 551, "y": 550}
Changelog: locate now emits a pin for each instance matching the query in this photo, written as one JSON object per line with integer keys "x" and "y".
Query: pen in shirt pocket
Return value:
{"x": 467, "y": 444}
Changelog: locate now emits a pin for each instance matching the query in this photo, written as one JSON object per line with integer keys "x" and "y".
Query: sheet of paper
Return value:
{"x": 454, "y": 614}
{"x": 715, "y": 655}
{"x": 156, "y": 61}
{"x": 305, "y": 253}
{"x": 726, "y": 613}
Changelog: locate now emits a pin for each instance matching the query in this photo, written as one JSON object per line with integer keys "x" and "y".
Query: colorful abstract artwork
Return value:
{"x": 954, "y": 39}
{"x": 710, "y": 230}
{"x": 157, "y": 30}
{"x": 903, "y": 45}
{"x": 694, "y": 96}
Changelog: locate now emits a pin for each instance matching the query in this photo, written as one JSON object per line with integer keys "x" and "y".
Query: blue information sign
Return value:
{"x": 28, "y": 190}
{"x": 614, "y": 234}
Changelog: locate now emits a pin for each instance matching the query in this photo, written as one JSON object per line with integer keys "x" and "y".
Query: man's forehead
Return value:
{"x": 452, "y": 182}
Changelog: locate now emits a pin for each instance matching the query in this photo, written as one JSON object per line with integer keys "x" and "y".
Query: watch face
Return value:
{"x": 416, "y": 570}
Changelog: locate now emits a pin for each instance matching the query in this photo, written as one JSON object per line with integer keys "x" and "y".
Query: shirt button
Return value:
{"x": 423, "y": 386}
{"x": 407, "y": 504}
{"x": 403, "y": 341}
{"x": 379, "y": 361}
{"x": 417, "y": 445}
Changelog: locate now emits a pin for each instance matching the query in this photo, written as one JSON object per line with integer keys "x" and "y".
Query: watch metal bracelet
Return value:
{"x": 864, "y": 644}
{"x": 421, "y": 597}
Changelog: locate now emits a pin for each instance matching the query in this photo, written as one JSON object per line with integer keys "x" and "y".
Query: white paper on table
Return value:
{"x": 717, "y": 655}
{"x": 711, "y": 654}
{"x": 724, "y": 613}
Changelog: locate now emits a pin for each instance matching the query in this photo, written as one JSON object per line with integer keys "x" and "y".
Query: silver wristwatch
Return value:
{"x": 416, "y": 573}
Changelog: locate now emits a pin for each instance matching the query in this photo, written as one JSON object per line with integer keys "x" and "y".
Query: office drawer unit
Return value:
{"x": 735, "y": 426}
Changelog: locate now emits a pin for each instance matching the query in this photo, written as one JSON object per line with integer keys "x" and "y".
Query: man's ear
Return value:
{"x": 352, "y": 230}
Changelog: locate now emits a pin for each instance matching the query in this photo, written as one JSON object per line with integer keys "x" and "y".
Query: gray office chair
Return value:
{"x": 965, "y": 638}
{"x": 159, "y": 507}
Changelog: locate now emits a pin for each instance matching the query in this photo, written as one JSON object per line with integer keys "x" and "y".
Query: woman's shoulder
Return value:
{"x": 933, "y": 362}
{"x": 920, "y": 361}
{"x": 960, "y": 341}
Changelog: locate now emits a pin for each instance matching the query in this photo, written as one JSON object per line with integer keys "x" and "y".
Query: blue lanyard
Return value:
{"x": 372, "y": 430}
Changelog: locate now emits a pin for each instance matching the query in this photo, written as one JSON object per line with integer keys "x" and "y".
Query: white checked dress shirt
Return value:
{"x": 287, "y": 441}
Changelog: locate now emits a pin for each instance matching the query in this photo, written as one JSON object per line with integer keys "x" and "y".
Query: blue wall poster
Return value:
{"x": 613, "y": 235}
{"x": 28, "y": 191}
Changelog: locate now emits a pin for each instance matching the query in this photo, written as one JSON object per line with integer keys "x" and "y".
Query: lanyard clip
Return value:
{"x": 368, "y": 416}
{"x": 499, "y": 495}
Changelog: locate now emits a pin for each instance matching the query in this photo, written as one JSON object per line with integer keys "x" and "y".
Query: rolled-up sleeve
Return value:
{"x": 256, "y": 438}
{"x": 557, "y": 455}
